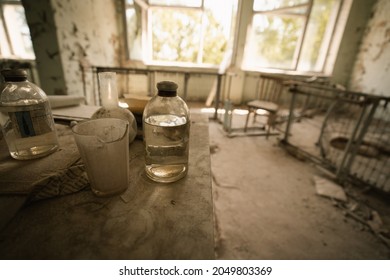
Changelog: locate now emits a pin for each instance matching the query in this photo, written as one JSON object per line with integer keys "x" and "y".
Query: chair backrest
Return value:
{"x": 269, "y": 88}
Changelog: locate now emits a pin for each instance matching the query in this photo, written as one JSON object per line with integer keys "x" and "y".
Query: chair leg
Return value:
{"x": 247, "y": 119}
{"x": 268, "y": 131}
{"x": 270, "y": 123}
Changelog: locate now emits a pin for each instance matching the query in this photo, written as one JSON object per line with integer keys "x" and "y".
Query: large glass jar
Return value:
{"x": 166, "y": 129}
{"x": 25, "y": 117}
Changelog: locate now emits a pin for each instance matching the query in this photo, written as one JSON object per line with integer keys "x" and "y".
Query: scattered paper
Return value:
{"x": 330, "y": 189}
{"x": 60, "y": 101}
{"x": 76, "y": 113}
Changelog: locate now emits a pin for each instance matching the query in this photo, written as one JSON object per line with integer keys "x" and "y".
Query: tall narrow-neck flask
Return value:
{"x": 110, "y": 106}
{"x": 166, "y": 129}
{"x": 25, "y": 117}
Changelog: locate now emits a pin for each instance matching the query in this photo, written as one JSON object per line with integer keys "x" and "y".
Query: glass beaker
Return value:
{"x": 104, "y": 148}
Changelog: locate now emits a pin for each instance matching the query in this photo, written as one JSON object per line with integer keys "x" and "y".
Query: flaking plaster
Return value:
{"x": 371, "y": 71}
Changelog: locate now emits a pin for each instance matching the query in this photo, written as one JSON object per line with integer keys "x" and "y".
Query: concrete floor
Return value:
{"x": 266, "y": 206}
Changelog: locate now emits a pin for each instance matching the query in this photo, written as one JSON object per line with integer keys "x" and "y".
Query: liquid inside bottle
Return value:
{"x": 166, "y": 144}
{"x": 28, "y": 129}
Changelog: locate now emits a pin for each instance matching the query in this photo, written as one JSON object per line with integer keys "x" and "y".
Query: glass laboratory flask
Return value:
{"x": 110, "y": 106}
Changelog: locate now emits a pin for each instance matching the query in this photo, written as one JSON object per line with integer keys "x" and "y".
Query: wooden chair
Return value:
{"x": 268, "y": 91}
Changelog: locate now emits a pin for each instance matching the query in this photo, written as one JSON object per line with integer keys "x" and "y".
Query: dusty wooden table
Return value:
{"x": 149, "y": 221}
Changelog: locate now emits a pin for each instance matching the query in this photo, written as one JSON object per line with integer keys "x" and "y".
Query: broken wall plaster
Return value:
{"x": 77, "y": 22}
{"x": 356, "y": 23}
{"x": 371, "y": 70}
{"x": 39, "y": 15}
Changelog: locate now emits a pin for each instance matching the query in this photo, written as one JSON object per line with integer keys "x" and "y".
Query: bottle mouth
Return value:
{"x": 164, "y": 93}
{"x": 14, "y": 75}
{"x": 167, "y": 88}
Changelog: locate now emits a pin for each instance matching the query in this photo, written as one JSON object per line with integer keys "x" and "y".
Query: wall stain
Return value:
{"x": 52, "y": 55}
{"x": 387, "y": 33}
{"x": 383, "y": 46}
{"x": 75, "y": 29}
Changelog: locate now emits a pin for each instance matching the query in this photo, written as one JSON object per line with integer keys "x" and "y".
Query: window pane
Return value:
{"x": 187, "y": 35}
{"x": 18, "y": 31}
{"x": 185, "y": 3}
{"x": 176, "y": 35}
{"x": 318, "y": 35}
{"x": 219, "y": 25}
{"x": 273, "y": 41}
{"x": 267, "y": 5}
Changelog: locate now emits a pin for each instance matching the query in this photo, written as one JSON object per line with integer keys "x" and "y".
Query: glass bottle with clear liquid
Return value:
{"x": 166, "y": 129}
{"x": 25, "y": 117}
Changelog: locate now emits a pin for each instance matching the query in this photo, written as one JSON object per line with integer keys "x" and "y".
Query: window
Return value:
{"x": 15, "y": 40}
{"x": 281, "y": 35}
{"x": 290, "y": 34}
{"x": 180, "y": 32}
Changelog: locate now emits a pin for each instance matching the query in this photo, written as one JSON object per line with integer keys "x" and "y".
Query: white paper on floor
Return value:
{"x": 330, "y": 189}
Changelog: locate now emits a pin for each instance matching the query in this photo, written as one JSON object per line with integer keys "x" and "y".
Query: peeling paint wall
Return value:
{"x": 371, "y": 72}
{"x": 40, "y": 19}
{"x": 69, "y": 36}
{"x": 87, "y": 35}
{"x": 351, "y": 39}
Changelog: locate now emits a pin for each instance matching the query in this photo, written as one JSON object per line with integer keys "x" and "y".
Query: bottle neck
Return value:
{"x": 109, "y": 99}
{"x": 108, "y": 89}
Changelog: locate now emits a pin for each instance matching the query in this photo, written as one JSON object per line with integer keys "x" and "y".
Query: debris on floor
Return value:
{"x": 329, "y": 189}
{"x": 373, "y": 222}
{"x": 358, "y": 211}
{"x": 259, "y": 191}
{"x": 213, "y": 148}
